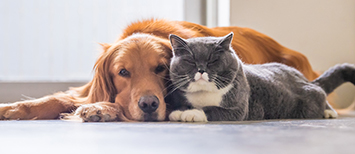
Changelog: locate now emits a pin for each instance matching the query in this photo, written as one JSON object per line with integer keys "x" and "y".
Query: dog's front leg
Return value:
{"x": 48, "y": 107}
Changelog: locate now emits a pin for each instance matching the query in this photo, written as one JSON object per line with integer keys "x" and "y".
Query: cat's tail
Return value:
{"x": 336, "y": 76}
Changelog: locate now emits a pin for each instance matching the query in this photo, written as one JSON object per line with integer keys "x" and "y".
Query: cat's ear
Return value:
{"x": 176, "y": 41}
{"x": 178, "y": 44}
{"x": 226, "y": 41}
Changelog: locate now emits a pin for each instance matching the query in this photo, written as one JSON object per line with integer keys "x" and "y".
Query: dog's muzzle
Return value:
{"x": 149, "y": 104}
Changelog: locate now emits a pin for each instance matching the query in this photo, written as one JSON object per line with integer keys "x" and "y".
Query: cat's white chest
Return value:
{"x": 201, "y": 94}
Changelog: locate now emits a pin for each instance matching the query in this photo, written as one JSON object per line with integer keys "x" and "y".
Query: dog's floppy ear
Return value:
{"x": 166, "y": 47}
{"x": 102, "y": 88}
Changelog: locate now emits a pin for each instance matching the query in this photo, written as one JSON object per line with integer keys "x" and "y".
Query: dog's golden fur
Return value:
{"x": 142, "y": 47}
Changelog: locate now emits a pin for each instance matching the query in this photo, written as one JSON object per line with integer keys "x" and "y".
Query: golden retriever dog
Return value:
{"x": 131, "y": 75}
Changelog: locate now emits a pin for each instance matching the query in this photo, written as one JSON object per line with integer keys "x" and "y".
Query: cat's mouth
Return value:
{"x": 200, "y": 83}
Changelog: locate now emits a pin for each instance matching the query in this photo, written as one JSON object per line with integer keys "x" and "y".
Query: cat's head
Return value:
{"x": 203, "y": 63}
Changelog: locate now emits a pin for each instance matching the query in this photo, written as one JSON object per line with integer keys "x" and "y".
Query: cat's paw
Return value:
{"x": 193, "y": 116}
{"x": 175, "y": 115}
{"x": 330, "y": 114}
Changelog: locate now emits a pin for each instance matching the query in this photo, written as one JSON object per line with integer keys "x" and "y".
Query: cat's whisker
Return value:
{"x": 215, "y": 81}
{"x": 177, "y": 87}
{"x": 176, "y": 83}
{"x": 224, "y": 78}
{"x": 167, "y": 78}
{"x": 180, "y": 76}
{"x": 219, "y": 84}
{"x": 174, "y": 74}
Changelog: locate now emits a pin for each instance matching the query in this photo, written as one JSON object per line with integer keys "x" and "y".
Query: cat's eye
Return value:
{"x": 159, "y": 69}
{"x": 124, "y": 73}
{"x": 189, "y": 62}
{"x": 213, "y": 62}
{"x": 219, "y": 50}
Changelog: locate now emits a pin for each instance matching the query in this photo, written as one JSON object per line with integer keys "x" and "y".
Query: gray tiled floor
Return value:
{"x": 276, "y": 136}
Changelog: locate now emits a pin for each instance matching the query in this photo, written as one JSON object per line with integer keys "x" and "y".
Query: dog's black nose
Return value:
{"x": 148, "y": 104}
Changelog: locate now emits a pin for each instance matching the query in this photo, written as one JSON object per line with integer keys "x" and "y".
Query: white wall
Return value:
{"x": 323, "y": 30}
{"x": 55, "y": 40}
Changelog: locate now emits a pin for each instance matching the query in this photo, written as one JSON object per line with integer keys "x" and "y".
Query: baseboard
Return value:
{"x": 16, "y": 91}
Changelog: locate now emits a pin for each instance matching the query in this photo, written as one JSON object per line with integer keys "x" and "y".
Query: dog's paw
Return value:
{"x": 193, "y": 116}
{"x": 4, "y": 111}
{"x": 330, "y": 114}
{"x": 13, "y": 112}
{"x": 98, "y": 113}
{"x": 175, "y": 115}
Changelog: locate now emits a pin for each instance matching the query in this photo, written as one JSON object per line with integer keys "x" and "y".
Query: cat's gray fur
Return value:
{"x": 266, "y": 91}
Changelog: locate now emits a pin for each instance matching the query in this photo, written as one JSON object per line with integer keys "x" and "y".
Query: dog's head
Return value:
{"x": 133, "y": 73}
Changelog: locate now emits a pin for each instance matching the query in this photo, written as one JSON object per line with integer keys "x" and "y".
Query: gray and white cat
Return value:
{"x": 212, "y": 84}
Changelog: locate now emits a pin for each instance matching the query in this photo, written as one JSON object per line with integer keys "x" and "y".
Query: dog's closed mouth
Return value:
{"x": 148, "y": 117}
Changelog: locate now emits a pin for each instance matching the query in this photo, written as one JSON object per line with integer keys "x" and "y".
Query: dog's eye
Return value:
{"x": 159, "y": 69}
{"x": 124, "y": 73}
